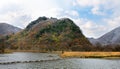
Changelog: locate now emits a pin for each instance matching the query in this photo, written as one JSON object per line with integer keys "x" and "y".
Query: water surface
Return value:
{"x": 71, "y": 63}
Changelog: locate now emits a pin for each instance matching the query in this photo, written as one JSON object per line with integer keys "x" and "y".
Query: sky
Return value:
{"x": 94, "y": 17}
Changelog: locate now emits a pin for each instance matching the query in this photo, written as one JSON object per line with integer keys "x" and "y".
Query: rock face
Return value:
{"x": 6, "y": 29}
{"x": 112, "y": 37}
{"x": 50, "y": 34}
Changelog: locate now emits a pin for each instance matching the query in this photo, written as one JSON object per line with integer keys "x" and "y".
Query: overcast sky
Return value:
{"x": 94, "y": 17}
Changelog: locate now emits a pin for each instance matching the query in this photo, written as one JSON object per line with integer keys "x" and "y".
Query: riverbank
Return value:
{"x": 90, "y": 55}
{"x": 33, "y": 51}
{"x": 74, "y": 54}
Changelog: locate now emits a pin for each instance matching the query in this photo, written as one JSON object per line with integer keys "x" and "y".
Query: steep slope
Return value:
{"x": 50, "y": 34}
{"x": 6, "y": 29}
{"x": 112, "y": 37}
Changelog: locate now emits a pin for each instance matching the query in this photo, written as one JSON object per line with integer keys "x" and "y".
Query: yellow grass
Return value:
{"x": 8, "y": 51}
{"x": 91, "y": 54}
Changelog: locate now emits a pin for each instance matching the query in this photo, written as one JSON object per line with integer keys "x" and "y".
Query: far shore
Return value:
{"x": 33, "y": 51}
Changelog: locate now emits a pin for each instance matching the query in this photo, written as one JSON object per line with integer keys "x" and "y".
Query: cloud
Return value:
{"x": 61, "y": 13}
{"x": 74, "y": 3}
{"x": 19, "y": 19}
{"x": 113, "y": 22}
{"x": 15, "y": 15}
{"x": 72, "y": 13}
{"x": 95, "y": 6}
{"x": 90, "y": 28}
{"x": 99, "y": 7}
{"x": 86, "y": 3}
{"x": 96, "y": 11}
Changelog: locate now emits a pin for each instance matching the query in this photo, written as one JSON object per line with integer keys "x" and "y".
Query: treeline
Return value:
{"x": 2, "y": 45}
{"x": 110, "y": 47}
{"x": 53, "y": 44}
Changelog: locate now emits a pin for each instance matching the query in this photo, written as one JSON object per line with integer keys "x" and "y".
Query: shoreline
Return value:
{"x": 73, "y": 54}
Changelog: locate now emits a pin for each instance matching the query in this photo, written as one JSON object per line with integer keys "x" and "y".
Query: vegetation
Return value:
{"x": 107, "y": 48}
{"x": 2, "y": 45}
{"x": 91, "y": 54}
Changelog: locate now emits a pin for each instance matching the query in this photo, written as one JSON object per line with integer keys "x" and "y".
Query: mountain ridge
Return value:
{"x": 7, "y": 29}
{"x": 110, "y": 38}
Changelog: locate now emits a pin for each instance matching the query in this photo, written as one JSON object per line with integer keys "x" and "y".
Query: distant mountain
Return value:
{"x": 93, "y": 40}
{"x": 50, "y": 34}
{"x": 112, "y": 37}
{"x": 6, "y": 29}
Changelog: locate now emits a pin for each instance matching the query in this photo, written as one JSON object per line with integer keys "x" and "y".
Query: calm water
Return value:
{"x": 73, "y": 63}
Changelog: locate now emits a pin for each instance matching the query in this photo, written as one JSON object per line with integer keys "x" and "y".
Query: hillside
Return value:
{"x": 50, "y": 34}
{"x": 6, "y": 29}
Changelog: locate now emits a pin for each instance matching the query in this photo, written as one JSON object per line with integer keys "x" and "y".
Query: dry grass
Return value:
{"x": 8, "y": 51}
{"x": 90, "y": 54}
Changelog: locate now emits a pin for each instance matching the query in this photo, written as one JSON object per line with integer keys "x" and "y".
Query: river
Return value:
{"x": 21, "y": 60}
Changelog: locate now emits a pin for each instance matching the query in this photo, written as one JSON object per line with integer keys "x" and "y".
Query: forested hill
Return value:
{"x": 50, "y": 34}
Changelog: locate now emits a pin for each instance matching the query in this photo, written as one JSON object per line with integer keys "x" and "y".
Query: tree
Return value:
{"x": 2, "y": 45}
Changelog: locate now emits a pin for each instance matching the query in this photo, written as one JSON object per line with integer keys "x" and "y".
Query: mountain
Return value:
{"x": 93, "y": 41}
{"x": 6, "y": 29}
{"x": 112, "y": 37}
{"x": 50, "y": 34}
